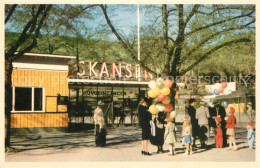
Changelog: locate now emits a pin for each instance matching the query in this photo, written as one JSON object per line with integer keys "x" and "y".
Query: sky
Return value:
{"x": 123, "y": 17}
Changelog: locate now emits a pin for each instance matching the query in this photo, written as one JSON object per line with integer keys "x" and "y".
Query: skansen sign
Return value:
{"x": 113, "y": 70}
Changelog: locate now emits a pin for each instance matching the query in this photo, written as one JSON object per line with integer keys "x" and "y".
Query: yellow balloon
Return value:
{"x": 167, "y": 100}
{"x": 165, "y": 91}
{"x": 151, "y": 94}
{"x": 156, "y": 91}
{"x": 153, "y": 109}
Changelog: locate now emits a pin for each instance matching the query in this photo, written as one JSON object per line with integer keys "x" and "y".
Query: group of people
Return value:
{"x": 158, "y": 129}
{"x": 196, "y": 126}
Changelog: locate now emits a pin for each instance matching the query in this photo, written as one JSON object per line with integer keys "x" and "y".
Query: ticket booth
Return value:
{"x": 40, "y": 91}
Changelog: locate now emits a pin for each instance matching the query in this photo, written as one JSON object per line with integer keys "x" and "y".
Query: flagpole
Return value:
{"x": 138, "y": 42}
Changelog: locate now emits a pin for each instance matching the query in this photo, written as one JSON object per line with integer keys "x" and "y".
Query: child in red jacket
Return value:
{"x": 231, "y": 122}
{"x": 218, "y": 135}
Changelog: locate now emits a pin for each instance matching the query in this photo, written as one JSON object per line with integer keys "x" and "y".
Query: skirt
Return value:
{"x": 146, "y": 133}
{"x": 231, "y": 132}
{"x": 187, "y": 139}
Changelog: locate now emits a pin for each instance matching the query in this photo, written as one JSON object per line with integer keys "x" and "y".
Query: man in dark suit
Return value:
{"x": 215, "y": 111}
{"x": 194, "y": 121}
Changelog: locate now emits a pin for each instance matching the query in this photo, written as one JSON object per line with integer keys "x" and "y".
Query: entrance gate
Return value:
{"x": 120, "y": 105}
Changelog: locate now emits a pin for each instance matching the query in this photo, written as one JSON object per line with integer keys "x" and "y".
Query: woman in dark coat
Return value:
{"x": 144, "y": 120}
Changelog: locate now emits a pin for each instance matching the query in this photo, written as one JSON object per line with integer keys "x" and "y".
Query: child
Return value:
{"x": 169, "y": 136}
{"x": 187, "y": 136}
{"x": 250, "y": 134}
{"x": 231, "y": 122}
{"x": 218, "y": 133}
{"x": 182, "y": 135}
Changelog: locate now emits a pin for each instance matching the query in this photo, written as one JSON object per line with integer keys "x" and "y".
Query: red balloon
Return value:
{"x": 224, "y": 84}
{"x": 168, "y": 83}
{"x": 221, "y": 90}
{"x": 168, "y": 108}
{"x": 161, "y": 97}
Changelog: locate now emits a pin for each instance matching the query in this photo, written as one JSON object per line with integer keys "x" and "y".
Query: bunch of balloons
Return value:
{"x": 221, "y": 89}
{"x": 160, "y": 90}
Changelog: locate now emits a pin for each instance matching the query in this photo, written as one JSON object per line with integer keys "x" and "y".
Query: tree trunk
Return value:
{"x": 166, "y": 70}
{"x": 8, "y": 101}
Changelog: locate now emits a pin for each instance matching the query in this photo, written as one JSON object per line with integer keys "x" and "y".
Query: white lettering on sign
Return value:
{"x": 128, "y": 71}
{"x": 147, "y": 74}
{"x": 103, "y": 69}
{"x": 116, "y": 70}
{"x": 136, "y": 71}
{"x": 81, "y": 69}
{"x": 91, "y": 69}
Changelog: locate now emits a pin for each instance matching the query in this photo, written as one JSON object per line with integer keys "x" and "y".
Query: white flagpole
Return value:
{"x": 138, "y": 42}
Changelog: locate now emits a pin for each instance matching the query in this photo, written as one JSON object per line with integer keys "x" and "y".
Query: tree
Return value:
{"x": 30, "y": 31}
{"x": 196, "y": 32}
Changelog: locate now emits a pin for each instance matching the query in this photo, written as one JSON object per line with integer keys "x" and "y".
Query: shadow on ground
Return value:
{"x": 64, "y": 141}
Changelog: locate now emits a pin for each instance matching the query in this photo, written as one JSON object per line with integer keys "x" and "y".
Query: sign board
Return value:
{"x": 113, "y": 70}
{"x": 231, "y": 86}
{"x": 62, "y": 108}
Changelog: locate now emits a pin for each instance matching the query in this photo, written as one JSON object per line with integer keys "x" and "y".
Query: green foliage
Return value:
{"x": 89, "y": 49}
{"x": 81, "y": 29}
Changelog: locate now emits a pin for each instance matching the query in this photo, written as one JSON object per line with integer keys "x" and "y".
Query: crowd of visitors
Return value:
{"x": 161, "y": 128}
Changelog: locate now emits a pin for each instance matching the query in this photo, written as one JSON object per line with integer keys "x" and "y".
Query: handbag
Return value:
{"x": 153, "y": 133}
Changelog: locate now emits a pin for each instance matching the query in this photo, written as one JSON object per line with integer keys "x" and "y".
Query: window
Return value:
{"x": 37, "y": 99}
{"x": 23, "y": 99}
{"x": 28, "y": 99}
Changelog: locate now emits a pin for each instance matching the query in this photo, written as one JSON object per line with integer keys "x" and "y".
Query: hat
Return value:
{"x": 218, "y": 119}
{"x": 202, "y": 102}
{"x": 251, "y": 124}
{"x": 250, "y": 104}
{"x": 232, "y": 110}
{"x": 191, "y": 101}
{"x": 100, "y": 103}
{"x": 215, "y": 101}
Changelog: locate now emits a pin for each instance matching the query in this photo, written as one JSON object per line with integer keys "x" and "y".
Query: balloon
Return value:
{"x": 167, "y": 100}
{"x": 168, "y": 83}
{"x": 160, "y": 107}
{"x": 167, "y": 108}
{"x": 156, "y": 91}
{"x": 155, "y": 101}
{"x": 153, "y": 109}
{"x": 225, "y": 104}
{"x": 173, "y": 114}
{"x": 165, "y": 91}
{"x": 224, "y": 84}
{"x": 151, "y": 94}
{"x": 216, "y": 92}
{"x": 159, "y": 83}
{"x": 221, "y": 90}
{"x": 161, "y": 97}
{"x": 152, "y": 84}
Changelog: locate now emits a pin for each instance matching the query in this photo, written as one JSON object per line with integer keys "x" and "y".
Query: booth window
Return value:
{"x": 28, "y": 99}
{"x": 37, "y": 99}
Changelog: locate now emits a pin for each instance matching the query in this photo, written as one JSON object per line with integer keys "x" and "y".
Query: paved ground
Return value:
{"x": 123, "y": 144}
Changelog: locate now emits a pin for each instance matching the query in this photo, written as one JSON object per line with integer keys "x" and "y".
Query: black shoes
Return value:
{"x": 161, "y": 151}
{"x": 146, "y": 153}
{"x": 194, "y": 146}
